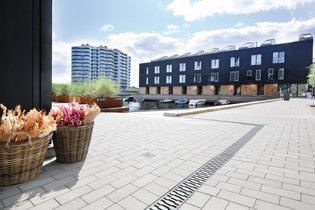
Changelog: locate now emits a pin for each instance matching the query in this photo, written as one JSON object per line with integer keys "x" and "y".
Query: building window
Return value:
{"x": 234, "y": 76}
{"x": 281, "y": 74}
{"x": 197, "y": 65}
{"x": 156, "y": 80}
{"x": 278, "y": 57}
{"x": 249, "y": 74}
{"x": 256, "y": 60}
{"x": 214, "y": 77}
{"x": 168, "y": 79}
{"x": 258, "y": 74}
{"x": 235, "y": 62}
{"x": 214, "y": 63}
{"x": 147, "y": 71}
{"x": 182, "y": 78}
{"x": 182, "y": 67}
{"x": 147, "y": 81}
{"x": 270, "y": 74}
{"x": 156, "y": 69}
{"x": 168, "y": 68}
{"x": 197, "y": 78}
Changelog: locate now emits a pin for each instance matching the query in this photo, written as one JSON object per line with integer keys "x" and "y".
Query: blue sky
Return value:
{"x": 147, "y": 29}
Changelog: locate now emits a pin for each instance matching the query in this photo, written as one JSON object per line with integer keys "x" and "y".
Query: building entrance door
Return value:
{"x": 158, "y": 90}
{"x": 260, "y": 90}
{"x": 199, "y": 90}
{"x": 170, "y": 90}
{"x": 216, "y": 90}
{"x": 184, "y": 90}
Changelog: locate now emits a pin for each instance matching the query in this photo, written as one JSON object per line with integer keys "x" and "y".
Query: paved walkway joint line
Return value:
{"x": 174, "y": 198}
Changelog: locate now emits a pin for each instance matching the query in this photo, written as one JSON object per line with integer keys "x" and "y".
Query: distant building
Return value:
{"x": 90, "y": 63}
{"x": 248, "y": 70}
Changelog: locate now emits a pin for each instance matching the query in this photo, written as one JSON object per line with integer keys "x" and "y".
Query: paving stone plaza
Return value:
{"x": 137, "y": 159}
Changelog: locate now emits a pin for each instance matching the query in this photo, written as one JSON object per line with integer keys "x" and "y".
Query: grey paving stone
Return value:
{"x": 215, "y": 204}
{"x": 229, "y": 187}
{"x": 145, "y": 196}
{"x": 98, "y": 193}
{"x": 23, "y": 196}
{"x": 237, "y": 198}
{"x": 290, "y": 203}
{"x": 35, "y": 183}
{"x": 281, "y": 192}
{"x": 40, "y": 198}
{"x": 130, "y": 203}
{"x": 58, "y": 183}
{"x": 69, "y": 196}
{"x": 73, "y": 205}
{"x": 122, "y": 193}
{"x": 261, "y": 195}
{"x": 50, "y": 204}
{"x": 198, "y": 199}
{"x": 100, "y": 204}
{"x": 9, "y": 191}
{"x": 235, "y": 206}
{"x": 262, "y": 205}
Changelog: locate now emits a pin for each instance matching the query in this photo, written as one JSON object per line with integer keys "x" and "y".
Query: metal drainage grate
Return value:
{"x": 185, "y": 189}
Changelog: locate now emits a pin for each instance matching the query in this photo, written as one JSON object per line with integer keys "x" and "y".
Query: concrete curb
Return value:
{"x": 180, "y": 113}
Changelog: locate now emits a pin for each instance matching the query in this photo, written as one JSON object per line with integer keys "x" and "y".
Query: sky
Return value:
{"x": 149, "y": 29}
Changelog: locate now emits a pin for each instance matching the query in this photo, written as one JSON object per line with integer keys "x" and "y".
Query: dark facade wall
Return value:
{"x": 26, "y": 53}
{"x": 298, "y": 56}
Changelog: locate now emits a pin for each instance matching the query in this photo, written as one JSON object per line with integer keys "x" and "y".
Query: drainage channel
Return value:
{"x": 174, "y": 198}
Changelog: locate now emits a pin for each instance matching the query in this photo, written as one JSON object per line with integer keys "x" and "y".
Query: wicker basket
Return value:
{"x": 22, "y": 160}
{"x": 72, "y": 143}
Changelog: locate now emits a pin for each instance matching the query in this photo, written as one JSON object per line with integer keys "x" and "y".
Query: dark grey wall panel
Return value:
{"x": 25, "y": 53}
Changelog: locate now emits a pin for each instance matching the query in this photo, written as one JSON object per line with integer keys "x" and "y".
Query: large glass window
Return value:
{"x": 214, "y": 77}
{"x": 281, "y": 74}
{"x": 258, "y": 75}
{"x": 235, "y": 62}
{"x": 278, "y": 57}
{"x": 168, "y": 79}
{"x": 156, "y": 69}
{"x": 270, "y": 74}
{"x": 197, "y": 65}
{"x": 156, "y": 80}
{"x": 168, "y": 68}
{"x": 256, "y": 60}
{"x": 182, "y": 78}
{"x": 215, "y": 63}
{"x": 182, "y": 67}
{"x": 147, "y": 81}
{"x": 197, "y": 78}
{"x": 147, "y": 71}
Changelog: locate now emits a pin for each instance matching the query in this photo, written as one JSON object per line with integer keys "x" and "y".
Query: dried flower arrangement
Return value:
{"x": 75, "y": 115}
{"x": 35, "y": 123}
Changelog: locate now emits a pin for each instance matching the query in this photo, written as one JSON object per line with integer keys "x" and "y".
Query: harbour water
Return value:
{"x": 156, "y": 105}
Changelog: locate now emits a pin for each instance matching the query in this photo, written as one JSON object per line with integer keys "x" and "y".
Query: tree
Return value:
{"x": 311, "y": 75}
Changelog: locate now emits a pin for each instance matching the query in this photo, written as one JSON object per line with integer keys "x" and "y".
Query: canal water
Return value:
{"x": 156, "y": 105}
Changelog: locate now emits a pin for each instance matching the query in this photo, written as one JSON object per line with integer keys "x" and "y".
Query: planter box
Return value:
{"x": 108, "y": 102}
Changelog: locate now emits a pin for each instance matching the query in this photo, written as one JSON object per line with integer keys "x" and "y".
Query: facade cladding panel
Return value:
{"x": 298, "y": 56}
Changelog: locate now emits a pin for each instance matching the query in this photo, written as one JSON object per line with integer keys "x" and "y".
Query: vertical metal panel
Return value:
{"x": 25, "y": 53}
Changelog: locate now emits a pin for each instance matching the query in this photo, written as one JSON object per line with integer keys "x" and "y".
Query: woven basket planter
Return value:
{"x": 72, "y": 143}
{"x": 23, "y": 160}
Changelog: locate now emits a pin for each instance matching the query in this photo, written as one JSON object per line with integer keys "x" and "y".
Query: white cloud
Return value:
{"x": 282, "y": 32}
{"x": 61, "y": 62}
{"x": 144, "y": 47}
{"x": 196, "y": 10}
{"x": 171, "y": 29}
{"x": 107, "y": 28}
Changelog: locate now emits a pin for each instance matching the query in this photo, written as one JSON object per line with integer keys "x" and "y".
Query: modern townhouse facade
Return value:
{"x": 90, "y": 63}
{"x": 248, "y": 70}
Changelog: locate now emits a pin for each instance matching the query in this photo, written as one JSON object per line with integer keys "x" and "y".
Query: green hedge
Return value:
{"x": 102, "y": 87}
